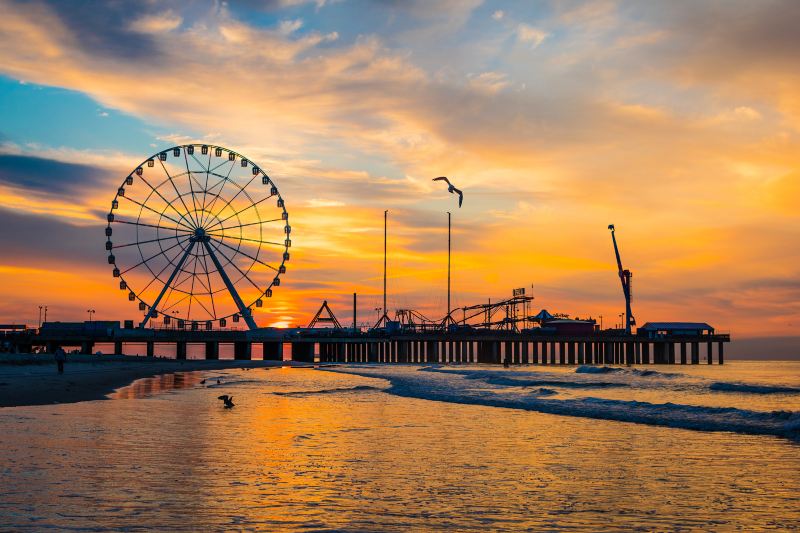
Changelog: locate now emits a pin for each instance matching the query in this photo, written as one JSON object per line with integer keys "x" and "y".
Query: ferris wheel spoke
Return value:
{"x": 212, "y": 197}
{"x": 200, "y": 303}
{"x": 180, "y": 197}
{"x": 233, "y": 163}
{"x": 180, "y": 279}
{"x": 157, "y": 277}
{"x": 225, "y": 179}
{"x": 199, "y": 185}
{"x": 163, "y": 252}
{"x": 165, "y": 309}
{"x": 254, "y": 284}
{"x": 144, "y": 242}
{"x": 159, "y": 213}
{"x": 182, "y": 276}
{"x": 169, "y": 282}
{"x": 169, "y": 204}
{"x": 208, "y": 278}
{"x": 150, "y": 225}
{"x": 221, "y": 182}
{"x": 200, "y": 276}
{"x": 241, "y": 190}
{"x": 201, "y": 164}
{"x": 205, "y": 187}
{"x": 254, "y": 204}
{"x": 236, "y": 251}
{"x": 205, "y": 194}
{"x": 189, "y": 175}
{"x": 250, "y": 224}
{"x": 245, "y": 239}
{"x": 192, "y": 295}
{"x": 198, "y": 273}
{"x": 191, "y": 290}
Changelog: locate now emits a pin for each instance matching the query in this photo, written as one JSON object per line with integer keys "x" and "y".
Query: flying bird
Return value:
{"x": 451, "y": 189}
{"x": 227, "y": 400}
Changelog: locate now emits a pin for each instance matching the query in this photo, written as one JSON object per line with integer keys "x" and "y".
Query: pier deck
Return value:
{"x": 460, "y": 347}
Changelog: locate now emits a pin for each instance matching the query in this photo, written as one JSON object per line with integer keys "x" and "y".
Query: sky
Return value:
{"x": 679, "y": 122}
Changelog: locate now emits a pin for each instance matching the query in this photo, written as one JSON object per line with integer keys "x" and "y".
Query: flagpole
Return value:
{"x": 448, "y": 268}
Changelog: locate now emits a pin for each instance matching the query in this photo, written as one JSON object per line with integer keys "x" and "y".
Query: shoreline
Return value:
{"x": 34, "y": 380}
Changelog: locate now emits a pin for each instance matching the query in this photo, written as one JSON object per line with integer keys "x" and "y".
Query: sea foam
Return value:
{"x": 451, "y": 386}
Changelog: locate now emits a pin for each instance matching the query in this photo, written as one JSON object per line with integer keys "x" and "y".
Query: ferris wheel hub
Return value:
{"x": 200, "y": 235}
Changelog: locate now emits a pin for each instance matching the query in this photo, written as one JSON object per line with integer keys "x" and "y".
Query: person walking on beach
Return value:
{"x": 61, "y": 357}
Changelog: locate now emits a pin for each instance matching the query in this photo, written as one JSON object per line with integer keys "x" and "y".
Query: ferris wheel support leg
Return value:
{"x": 166, "y": 285}
{"x": 245, "y": 312}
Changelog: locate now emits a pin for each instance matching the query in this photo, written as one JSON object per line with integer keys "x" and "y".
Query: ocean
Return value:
{"x": 415, "y": 448}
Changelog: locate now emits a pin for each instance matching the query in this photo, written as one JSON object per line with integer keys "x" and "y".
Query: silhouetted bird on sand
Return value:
{"x": 228, "y": 400}
{"x": 203, "y": 382}
{"x": 219, "y": 381}
{"x": 451, "y": 189}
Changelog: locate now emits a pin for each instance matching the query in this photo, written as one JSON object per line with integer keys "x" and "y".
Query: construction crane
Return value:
{"x": 625, "y": 279}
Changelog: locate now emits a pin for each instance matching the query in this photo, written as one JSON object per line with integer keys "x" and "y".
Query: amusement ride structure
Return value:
{"x": 196, "y": 231}
{"x": 625, "y": 279}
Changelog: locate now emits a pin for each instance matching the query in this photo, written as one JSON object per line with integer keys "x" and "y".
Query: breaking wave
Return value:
{"x": 617, "y": 370}
{"x": 724, "y": 386}
{"x": 456, "y": 389}
{"x": 597, "y": 370}
{"x": 357, "y": 388}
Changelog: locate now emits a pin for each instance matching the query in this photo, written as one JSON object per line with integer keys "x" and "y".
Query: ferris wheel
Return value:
{"x": 196, "y": 231}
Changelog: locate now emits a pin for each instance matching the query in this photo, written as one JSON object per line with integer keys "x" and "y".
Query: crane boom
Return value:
{"x": 625, "y": 280}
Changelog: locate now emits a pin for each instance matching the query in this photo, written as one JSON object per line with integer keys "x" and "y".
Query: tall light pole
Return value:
{"x": 384, "y": 317}
{"x": 448, "y": 318}
{"x": 40, "y": 316}
{"x": 385, "y": 219}
{"x": 91, "y": 312}
{"x": 45, "y": 313}
{"x": 601, "y": 322}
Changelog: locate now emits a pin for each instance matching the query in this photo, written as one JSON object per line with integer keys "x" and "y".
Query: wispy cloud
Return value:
{"x": 531, "y": 35}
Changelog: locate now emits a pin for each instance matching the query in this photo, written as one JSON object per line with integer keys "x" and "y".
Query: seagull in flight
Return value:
{"x": 228, "y": 400}
{"x": 451, "y": 189}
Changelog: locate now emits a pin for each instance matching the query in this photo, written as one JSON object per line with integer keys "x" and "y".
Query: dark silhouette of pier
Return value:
{"x": 661, "y": 343}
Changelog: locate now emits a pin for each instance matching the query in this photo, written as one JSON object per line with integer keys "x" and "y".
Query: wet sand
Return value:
{"x": 34, "y": 380}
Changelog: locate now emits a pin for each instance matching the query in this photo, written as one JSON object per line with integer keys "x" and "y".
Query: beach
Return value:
{"x": 34, "y": 380}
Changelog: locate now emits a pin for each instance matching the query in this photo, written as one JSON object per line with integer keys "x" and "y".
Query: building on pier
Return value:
{"x": 655, "y": 330}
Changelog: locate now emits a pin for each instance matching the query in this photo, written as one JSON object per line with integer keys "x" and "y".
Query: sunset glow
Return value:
{"x": 677, "y": 123}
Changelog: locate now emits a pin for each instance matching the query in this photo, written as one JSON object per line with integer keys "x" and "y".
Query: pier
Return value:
{"x": 436, "y": 347}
